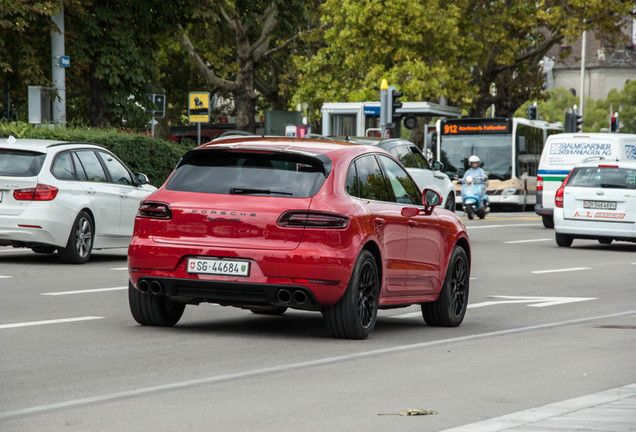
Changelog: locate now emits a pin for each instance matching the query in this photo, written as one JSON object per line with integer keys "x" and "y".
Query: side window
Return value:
{"x": 403, "y": 154}
{"x": 62, "y": 167}
{"x": 92, "y": 166}
{"x": 403, "y": 188}
{"x": 352, "y": 181}
{"x": 118, "y": 172}
{"x": 420, "y": 160}
{"x": 79, "y": 169}
{"x": 371, "y": 181}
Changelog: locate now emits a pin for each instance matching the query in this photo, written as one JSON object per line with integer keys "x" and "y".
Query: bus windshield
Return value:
{"x": 494, "y": 151}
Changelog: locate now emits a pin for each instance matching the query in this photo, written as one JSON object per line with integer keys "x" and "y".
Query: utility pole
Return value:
{"x": 59, "y": 67}
{"x": 583, "y": 48}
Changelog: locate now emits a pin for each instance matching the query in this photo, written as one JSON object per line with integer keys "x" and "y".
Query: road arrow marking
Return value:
{"x": 538, "y": 301}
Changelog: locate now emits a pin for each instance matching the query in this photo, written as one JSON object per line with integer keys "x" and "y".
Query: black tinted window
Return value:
{"x": 118, "y": 172}
{"x": 19, "y": 163}
{"x": 404, "y": 191}
{"x": 223, "y": 172}
{"x": 371, "y": 181}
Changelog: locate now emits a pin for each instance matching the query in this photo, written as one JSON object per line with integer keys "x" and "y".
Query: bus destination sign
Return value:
{"x": 475, "y": 127}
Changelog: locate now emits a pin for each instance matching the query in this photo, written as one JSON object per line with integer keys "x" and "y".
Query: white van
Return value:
{"x": 562, "y": 151}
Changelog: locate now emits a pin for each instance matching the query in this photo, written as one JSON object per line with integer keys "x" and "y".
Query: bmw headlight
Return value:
{"x": 509, "y": 191}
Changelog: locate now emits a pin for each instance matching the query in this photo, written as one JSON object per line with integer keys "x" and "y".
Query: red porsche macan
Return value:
{"x": 268, "y": 224}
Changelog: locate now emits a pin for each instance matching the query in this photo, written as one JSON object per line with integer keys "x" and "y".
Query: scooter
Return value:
{"x": 474, "y": 200}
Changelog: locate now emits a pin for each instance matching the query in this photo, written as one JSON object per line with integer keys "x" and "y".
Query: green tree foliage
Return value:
{"x": 411, "y": 44}
{"x": 554, "y": 108}
{"x": 457, "y": 49}
{"x": 597, "y": 116}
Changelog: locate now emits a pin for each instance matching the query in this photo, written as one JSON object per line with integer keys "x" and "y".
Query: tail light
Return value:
{"x": 154, "y": 210}
{"x": 41, "y": 192}
{"x": 310, "y": 219}
{"x": 539, "y": 183}
{"x": 558, "y": 196}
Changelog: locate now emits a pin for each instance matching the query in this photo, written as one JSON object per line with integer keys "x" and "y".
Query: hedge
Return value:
{"x": 153, "y": 157}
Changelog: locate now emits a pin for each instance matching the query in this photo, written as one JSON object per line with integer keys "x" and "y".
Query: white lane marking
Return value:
{"x": 47, "y": 322}
{"x": 528, "y": 241}
{"x": 501, "y": 226}
{"x": 15, "y": 250}
{"x": 85, "y": 291}
{"x": 539, "y": 301}
{"x": 560, "y": 270}
{"x": 288, "y": 367}
{"x": 5, "y": 277}
{"x": 118, "y": 268}
{"x": 532, "y": 417}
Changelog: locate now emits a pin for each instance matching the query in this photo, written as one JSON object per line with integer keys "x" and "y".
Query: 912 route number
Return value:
{"x": 220, "y": 267}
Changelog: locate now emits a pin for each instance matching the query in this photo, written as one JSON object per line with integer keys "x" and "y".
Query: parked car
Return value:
{"x": 267, "y": 224}
{"x": 426, "y": 175}
{"x": 597, "y": 201}
{"x": 69, "y": 197}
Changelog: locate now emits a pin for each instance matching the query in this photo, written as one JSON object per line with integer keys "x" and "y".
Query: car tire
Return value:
{"x": 450, "y": 202}
{"x": 548, "y": 221}
{"x": 44, "y": 249}
{"x": 80, "y": 241}
{"x": 450, "y": 307}
{"x": 269, "y": 310}
{"x": 153, "y": 310}
{"x": 563, "y": 240}
{"x": 354, "y": 316}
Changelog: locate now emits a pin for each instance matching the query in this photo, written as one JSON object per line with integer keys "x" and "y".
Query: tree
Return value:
{"x": 507, "y": 39}
{"x": 246, "y": 67}
{"x": 411, "y": 44}
{"x": 597, "y": 116}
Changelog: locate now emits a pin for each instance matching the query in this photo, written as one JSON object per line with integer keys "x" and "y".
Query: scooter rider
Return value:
{"x": 476, "y": 172}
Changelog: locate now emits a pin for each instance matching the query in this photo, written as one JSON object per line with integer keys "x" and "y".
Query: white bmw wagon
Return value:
{"x": 597, "y": 201}
{"x": 66, "y": 197}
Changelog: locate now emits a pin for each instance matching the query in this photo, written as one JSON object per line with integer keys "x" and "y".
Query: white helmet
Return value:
{"x": 473, "y": 158}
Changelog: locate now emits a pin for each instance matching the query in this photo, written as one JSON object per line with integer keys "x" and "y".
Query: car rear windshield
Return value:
{"x": 603, "y": 177}
{"x": 20, "y": 163}
{"x": 249, "y": 173}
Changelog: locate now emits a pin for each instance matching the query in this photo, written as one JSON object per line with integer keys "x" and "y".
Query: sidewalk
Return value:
{"x": 609, "y": 411}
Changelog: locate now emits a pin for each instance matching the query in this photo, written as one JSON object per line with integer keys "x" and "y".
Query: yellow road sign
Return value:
{"x": 199, "y": 107}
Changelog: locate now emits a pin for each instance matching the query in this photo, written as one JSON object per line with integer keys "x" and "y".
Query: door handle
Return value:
{"x": 378, "y": 221}
{"x": 412, "y": 223}
{"x": 91, "y": 191}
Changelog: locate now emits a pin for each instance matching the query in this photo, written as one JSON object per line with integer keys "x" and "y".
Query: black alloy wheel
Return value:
{"x": 354, "y": 316}
{"x": 450, "y": 308}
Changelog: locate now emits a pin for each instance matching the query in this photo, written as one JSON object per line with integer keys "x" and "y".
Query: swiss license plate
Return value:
{"x": 219, "y": 267}
{"x": 603, "y": 205}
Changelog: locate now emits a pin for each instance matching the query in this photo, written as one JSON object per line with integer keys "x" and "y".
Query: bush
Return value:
{"x": 153, "y": 157}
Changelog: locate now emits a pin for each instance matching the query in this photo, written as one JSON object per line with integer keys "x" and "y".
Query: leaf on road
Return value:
{"x": 412, "y": 412}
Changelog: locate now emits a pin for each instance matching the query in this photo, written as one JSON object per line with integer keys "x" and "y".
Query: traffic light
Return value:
{"x": 579, "y": 122}
{"x": 395, "y": 104}
{"x": 532, "y": 112}
{"x": 614, "y": 123}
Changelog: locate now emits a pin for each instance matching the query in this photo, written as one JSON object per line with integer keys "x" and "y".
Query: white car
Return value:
{"x": 69, "y": 197}
{"x": 425, "y": 175}
{"x": 597, "y": 201}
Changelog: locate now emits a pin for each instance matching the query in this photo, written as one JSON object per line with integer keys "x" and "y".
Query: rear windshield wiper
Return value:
{"x": 245, "y": 191}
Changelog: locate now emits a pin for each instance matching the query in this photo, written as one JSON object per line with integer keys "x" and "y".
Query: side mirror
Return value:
{"x": 437, "y": 166}
{"x": 431, "y": 200}
{"x": 142, "y": 179}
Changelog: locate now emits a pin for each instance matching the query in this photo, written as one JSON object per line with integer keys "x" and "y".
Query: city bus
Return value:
{"x": 509, "y": 150}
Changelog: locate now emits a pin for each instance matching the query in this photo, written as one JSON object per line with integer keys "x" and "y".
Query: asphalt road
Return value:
{"x": 545, "y": 324}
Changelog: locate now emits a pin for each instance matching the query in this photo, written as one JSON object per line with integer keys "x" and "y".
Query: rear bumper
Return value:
{"x": 587, "y": 229}
{"x": 323, "y": 275}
